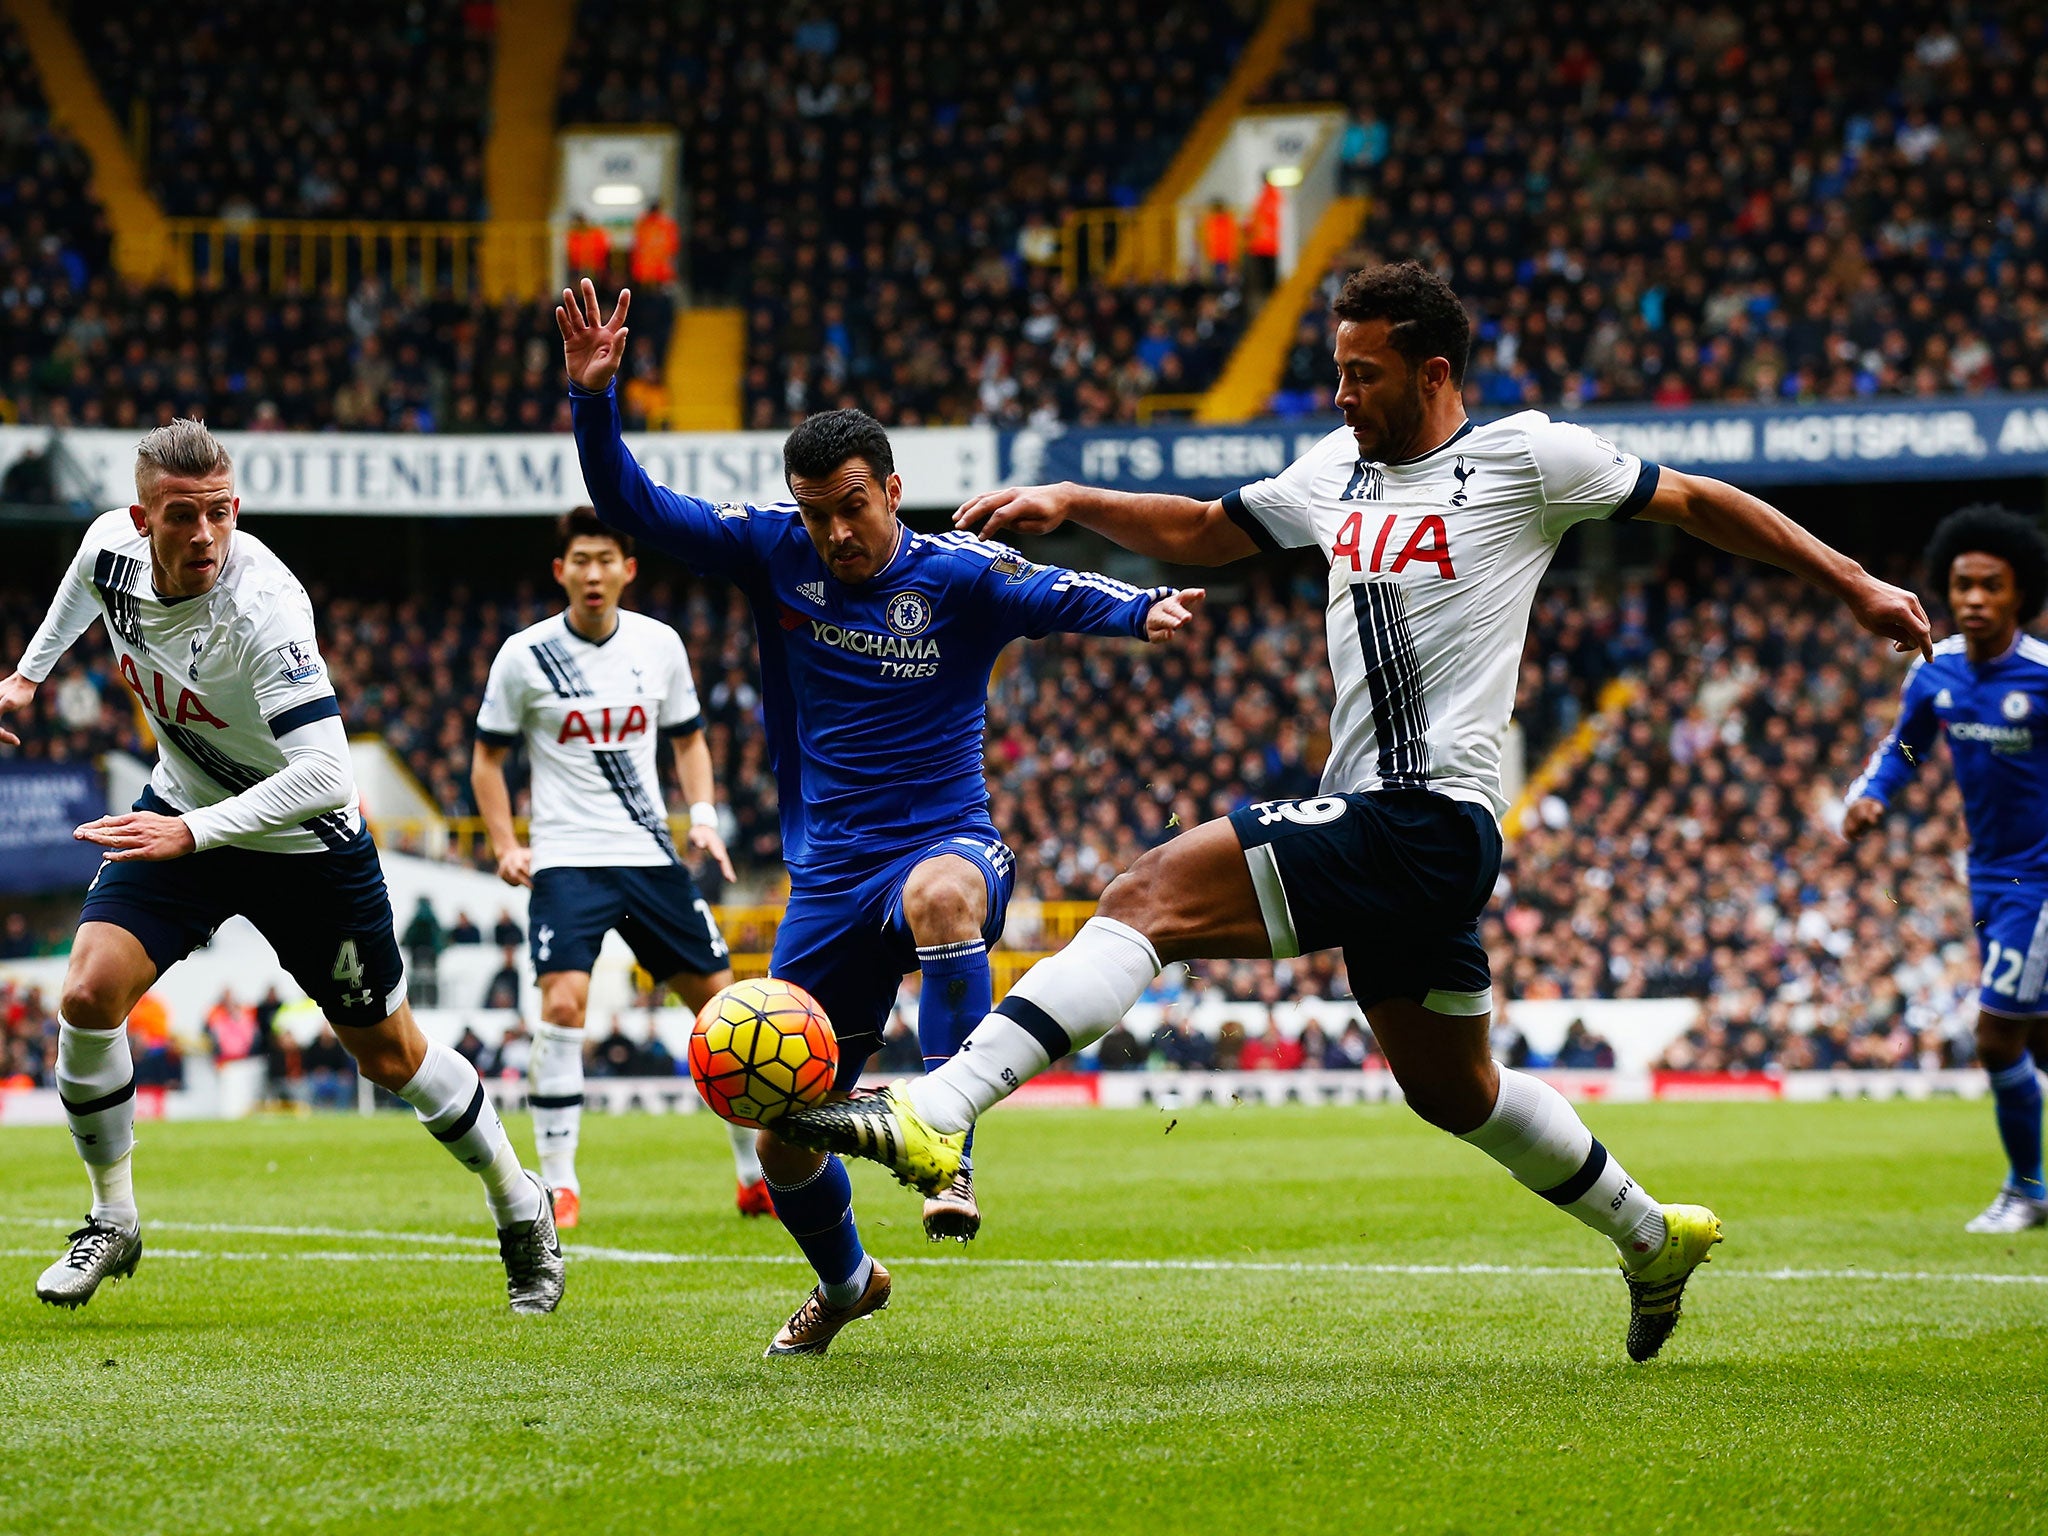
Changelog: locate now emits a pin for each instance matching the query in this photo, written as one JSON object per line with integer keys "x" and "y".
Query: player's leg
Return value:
{"x": 328, "y": 916}
{"x": 137, "y": 921}
{"x": 108, "y": 973}
{"x": 750, "y": 1191}
{"x": 1447, "y": 1072}
{"x": 824, "y": 945}
{"x": 2012, "y": 937}
{"x": 2002, "y": 1047}
{"x": 1192, "y": 897}
{"x": 554, "y": 1087}
{"x": 952, "y": 903}
{"x": 674, "y": 935}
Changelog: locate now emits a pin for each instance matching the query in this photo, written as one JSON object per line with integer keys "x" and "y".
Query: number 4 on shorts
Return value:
{"x": 348, "y": 970}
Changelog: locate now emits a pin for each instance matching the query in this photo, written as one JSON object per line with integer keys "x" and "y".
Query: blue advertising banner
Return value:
{"x": 39, "y": 805}
{"x": 1955, "y": 438}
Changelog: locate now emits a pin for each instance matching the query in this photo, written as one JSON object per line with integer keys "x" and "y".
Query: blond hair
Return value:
{"x": 181, "y": 447}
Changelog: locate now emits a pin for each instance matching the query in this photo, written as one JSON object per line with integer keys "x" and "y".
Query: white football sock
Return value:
{"x": 746, "y": 1161}
{"x": 848, "y": 1291}
{"x": 554, "y": 1076}
{"x": 453, "y": 1105}
{"x": 1537, "y": 1136}
{"x": 1062, "y": 1004}
{"x": 96, "y": 1081}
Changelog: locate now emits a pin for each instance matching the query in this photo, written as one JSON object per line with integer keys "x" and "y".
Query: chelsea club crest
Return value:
{"x": 908, "y": 613}
{"x": 2015, "y": 706}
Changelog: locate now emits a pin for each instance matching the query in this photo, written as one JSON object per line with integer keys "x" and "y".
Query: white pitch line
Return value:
{"x": 1194, "y": 1266}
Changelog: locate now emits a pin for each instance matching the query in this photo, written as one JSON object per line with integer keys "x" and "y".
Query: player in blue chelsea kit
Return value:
{"x": 876, "y": 648}
{"x": 1986, "y": 689}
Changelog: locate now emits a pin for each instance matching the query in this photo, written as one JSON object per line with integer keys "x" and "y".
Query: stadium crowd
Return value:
{"x": 872, "y": 179}
{"x": 372, "y": 112}
{"x": 1795, "y": 199}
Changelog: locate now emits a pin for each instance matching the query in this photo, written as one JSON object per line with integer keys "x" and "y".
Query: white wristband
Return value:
{"x": 703, "y": 814}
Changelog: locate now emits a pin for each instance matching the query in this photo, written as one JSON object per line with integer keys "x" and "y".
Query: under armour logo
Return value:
{"x": 546, "y": 936}
{"x": 814, "y": 590}
{"x": 1464, "y": 472}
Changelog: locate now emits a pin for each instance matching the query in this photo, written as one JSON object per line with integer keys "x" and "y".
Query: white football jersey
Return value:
{"x": 221, "y": 675}
{"x": 1434, "y": 564}
{"x": 590, "y": 715}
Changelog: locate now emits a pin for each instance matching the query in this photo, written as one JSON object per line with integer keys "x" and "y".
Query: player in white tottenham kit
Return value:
{"x": 251, "y": 810}
{"x": 590, "y": 692}
{"x": 1437, "y": 532}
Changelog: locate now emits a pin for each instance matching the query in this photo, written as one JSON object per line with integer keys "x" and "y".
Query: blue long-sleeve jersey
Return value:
{"x": 1996, "y": 719}
{"x": 875, "y": 695}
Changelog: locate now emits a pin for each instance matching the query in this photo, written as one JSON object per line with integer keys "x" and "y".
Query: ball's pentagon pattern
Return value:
{"x": 761, "y": 1048}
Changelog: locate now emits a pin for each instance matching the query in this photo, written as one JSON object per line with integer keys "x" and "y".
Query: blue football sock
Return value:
{"x": 818, "y": 1213}
{"x": 956, "y": 994}
{"x": 2017, "y": 1094}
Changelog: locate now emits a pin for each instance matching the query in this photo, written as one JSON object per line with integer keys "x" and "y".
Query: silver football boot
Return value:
{"x": 532, "y": 1251}
{"x": 97, "y": 1251}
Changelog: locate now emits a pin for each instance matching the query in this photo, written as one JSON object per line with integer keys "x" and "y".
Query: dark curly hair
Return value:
{"x": 1989, "y": 530}
{"x": 1426, "y": 319}
{"x": 823, "y": 442}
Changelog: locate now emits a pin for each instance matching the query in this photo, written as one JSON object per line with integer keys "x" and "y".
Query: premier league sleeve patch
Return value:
{"x": 297, "y": 662}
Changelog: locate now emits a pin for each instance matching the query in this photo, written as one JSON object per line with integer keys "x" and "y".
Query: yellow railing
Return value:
{"x": 1126, "y": 245}
{"x": 1153, "y": 408}
{"x": 493, "y": 260}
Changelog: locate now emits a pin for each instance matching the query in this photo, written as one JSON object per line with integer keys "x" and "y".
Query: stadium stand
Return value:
{"x": 865, "y": 181}
{"x": 1789, "y": 200}
{"x": 374, "y": 112}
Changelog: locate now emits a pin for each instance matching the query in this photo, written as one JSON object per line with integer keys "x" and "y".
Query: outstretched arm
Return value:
{"x": 1738, "y": 522}
{"x": 1178, "y": 529}
{"x": 709, "y": 538}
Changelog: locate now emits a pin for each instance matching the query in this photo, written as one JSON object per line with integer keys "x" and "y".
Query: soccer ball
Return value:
{"x": 761, "y": 1048}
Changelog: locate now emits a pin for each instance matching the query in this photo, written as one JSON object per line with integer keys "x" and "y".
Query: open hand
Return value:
{"x": 139, "y": 835}
{"x": 1018, "y": 509}
{"x": 1165, "y": 617}
{"x": 15, "y": 693}
{"x": 592, "y": 349}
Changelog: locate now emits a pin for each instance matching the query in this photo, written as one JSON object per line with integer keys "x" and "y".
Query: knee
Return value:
{"x": 562, "y": 1010}
{"x": 1999, "y": 1043}
{"x": 1130, "y": 898}
{"x": 1459, "y": 1105}
{"x": 388, "y": 1063}
{"x": 92, "y": 1002}
{"x": 942, "y": 908}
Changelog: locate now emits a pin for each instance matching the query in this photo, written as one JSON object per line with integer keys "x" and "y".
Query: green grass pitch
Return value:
{"x": 363, "y": 1379}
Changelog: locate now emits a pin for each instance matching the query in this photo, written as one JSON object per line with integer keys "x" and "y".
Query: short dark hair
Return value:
{"x": 1426, "y": 319}
{"x": 1990, "y": 530}
{"x": 823, "y": 442}
{"x": 584, "y": 523}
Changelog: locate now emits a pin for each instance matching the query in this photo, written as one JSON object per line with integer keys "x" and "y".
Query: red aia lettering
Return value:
{"x": 576, "y": 724}
{"x": 190, "y": 706}
{"x": 1347, "y": 539}
{"x": 1436, "y": 552}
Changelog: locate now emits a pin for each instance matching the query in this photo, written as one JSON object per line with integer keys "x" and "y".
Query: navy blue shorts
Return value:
{"x": 326, "y": 914}
{"x": 2012, "y": 936}
{"x": 1396, "y": 878}
{"x": 843, "y": 939}
{"x": 657, "y": 909}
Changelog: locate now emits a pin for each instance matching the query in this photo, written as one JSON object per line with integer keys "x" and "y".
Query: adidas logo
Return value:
{"x": 814, "y": 590}
{"x": 1942, "y": 700}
